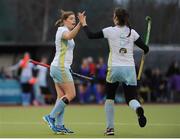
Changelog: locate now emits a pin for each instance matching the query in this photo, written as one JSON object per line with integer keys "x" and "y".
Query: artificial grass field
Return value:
{"x": 89, "y": 121}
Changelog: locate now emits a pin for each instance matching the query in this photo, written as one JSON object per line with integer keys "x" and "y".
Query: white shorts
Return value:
{"x": 60, "y": 75}
{"x": 123, "y": 74}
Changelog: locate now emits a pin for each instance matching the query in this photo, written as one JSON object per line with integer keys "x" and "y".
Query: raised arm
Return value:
{"x": 91, "y": 35}
{"x": 72, "y": 34}
{"x": 14, "y": 67}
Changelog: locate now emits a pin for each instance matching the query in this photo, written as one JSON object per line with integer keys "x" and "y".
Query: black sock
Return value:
{"x": 65, "y": 100}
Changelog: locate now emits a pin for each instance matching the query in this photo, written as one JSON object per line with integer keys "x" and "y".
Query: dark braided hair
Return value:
{"x": 123, "y": 18}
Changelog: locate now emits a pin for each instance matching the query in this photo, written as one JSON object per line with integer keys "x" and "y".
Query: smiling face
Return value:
{"x": 70, "y": 22}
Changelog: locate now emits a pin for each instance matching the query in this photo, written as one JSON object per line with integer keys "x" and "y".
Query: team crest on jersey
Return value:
{"x": 123, "y": 51}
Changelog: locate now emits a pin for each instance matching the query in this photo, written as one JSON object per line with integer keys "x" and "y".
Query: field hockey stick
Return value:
{"x": 73, "y": 73}
{"x": 39, "y": 63}
{"x": 148, "y": 19}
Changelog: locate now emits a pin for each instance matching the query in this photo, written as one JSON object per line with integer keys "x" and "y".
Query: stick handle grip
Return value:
{"x": 148, "y": 19}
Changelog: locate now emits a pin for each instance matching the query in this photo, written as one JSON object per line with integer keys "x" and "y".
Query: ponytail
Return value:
{"x": 59, "y": 23}
{"x": 64, "y": 16}
{"x": 123, "y": 18}
{"x": 128, "y": 25}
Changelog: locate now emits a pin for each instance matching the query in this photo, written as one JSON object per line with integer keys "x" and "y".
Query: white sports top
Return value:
{"x": 121, "y": 46}
{"x": 42, "y": 81}
{"x": 64, "y": 50}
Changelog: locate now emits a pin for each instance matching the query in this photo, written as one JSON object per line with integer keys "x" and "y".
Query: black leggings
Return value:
{"x": 26, "y": 87}
{"x": 130, "y": 92}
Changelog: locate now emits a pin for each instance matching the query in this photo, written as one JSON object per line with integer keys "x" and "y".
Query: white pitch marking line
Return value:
{"x": 89, "y": 123}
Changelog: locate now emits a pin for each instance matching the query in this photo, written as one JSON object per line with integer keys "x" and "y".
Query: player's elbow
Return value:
{"x": 146, "y": 50}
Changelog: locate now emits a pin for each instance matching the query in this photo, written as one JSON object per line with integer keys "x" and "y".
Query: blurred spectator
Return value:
{"x": 84, "y": 68}
{"x": 173, "y": 75}
{"x": 145, "y": 86}
{"x": 101, "y": 79}
{"x": 42, "y": 82}
{"x": 173, "y": 69}
{"x": 84, "y": 87}
{"x": 157, "y": 83}
{"x": 92, "y": 66}
{"x": 148, "y": 74}
{"x": 153, "y": 86}
{"x": 99, "y": 92}
{"x": 26, "y": 78}
{"x": 84, "y": 92}
{"x": 101, "y": 69}
{"x": 174, "y": 84}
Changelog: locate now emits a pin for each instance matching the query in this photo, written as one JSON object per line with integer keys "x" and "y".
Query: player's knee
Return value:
{"x": 59, "y": 96}
{"x": 71, "y": 95}
{"x": 65, "y": 100}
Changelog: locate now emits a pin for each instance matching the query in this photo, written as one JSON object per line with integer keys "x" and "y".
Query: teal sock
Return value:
{"x": 109, "y": 110}
{"x": 134, "y": 104}
{"x": 60, "y": 119}
{"x": 58, "y": 108}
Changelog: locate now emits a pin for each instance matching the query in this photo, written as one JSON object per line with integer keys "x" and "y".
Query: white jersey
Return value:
{"x": 26, "y": 72}
{"x": 42, "y": 72}
{"x": 64, "y": 50}
{"x": 121, "y": 46}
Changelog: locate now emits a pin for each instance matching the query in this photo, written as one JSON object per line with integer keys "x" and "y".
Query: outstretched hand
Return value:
{"x": 82, "y": 18}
